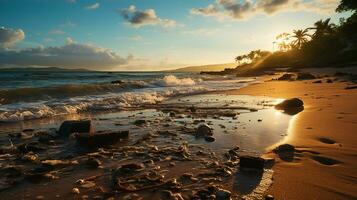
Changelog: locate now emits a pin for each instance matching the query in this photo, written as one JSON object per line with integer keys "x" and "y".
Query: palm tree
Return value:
{"x": 300, "y": 36}
{"x": 323, "y": 27}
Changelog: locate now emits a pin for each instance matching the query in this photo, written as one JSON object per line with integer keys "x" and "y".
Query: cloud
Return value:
{"x": 92, "y": 6}
{"x": 9, "y": 37}
{"x": 139, "y": 18}
{"x": 56, "y": 32}
{"x": 240, "y": 10}
{"x": 135, "y": 37}
{"x": 70, "y": 55}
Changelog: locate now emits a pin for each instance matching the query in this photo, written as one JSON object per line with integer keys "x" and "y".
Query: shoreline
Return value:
{"x": 323, "y": 134}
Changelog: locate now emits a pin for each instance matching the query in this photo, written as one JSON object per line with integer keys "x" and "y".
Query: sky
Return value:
{"x": 147, "y": 34}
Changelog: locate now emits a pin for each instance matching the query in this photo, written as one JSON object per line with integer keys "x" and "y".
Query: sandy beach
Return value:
{"x": 326, "y": 130}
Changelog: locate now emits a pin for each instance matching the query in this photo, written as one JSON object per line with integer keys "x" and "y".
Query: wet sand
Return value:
{"x": 325, "y": 136}
{"x": 171, "y": 160}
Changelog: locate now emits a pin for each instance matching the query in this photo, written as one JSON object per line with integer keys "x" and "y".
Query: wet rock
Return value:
{"x": 251, "y": 162}
{"x": 222, "y": 194}
{"x": 30, "y": 157}
{"x": 290, "y": 103}
{"x": 11, "y": 171}
{"x": 100, "y": 138}
{"x": 286, "y": 77}
{"x": 140, "y": 122}
{"x": 74, "y": 126}
{"x": 269, "y": 197}
{"x": 329, "y": 81}
{"x": 204, "y": 130}
{"x": 318, "y": 81}
{"x": 210, "y": 139}
{"x": 93, "y": 163}
{"x": 350, "y": 87}
{"x": 284, "y": 148}
{"x": 305, "y": 76}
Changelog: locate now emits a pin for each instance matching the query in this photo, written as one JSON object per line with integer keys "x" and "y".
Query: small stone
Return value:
{"x": 140, "y": 122}
{"x": 74, "y": 126}
{"x": 284, "y": 148}
{"x": 260, "y": 120}
{"x": 290, "y": 103}
{"x": 75, "y": 191}
{"x": 269, "y": 197}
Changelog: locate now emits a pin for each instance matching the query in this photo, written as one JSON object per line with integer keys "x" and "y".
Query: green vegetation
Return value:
{"x": 323, "y": 45}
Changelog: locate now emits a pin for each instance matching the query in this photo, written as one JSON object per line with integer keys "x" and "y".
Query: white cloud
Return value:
{"x": 240, "y": 10}
{"x": 56, "y": 32}
{"x": 92, "y": 6}
{"x": 9, "y": 37}
{"x": 139, "y": 18}
{"x": 70, "y": 55}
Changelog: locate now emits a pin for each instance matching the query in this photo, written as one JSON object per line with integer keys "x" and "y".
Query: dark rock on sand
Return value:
{"x": 329, "y": 81}
{"x": 222, "y": 194}
{"x": 284, "y": 148}
{"x": 128, "y": 168}
{"x": 204, "y": 130}
{"x": 305, "y": 76}
{"x": 269, "y": 197}
{"x": 291, "y": 106}
{"x": 251, "y": 162}
{"x": 318, "y": 81}
{"x": 286, "y": 77}
{"x": 210, "y": 139}
{"x": 99, "y": 139}
{"x": 74, "y": 126}
{"x": 140, "y": 122}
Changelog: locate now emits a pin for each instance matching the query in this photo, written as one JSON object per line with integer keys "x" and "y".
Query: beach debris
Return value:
{"x": 210, "y": 139}
{"x": 74, "y": 126}
{"x": 251, "y": 162}
{"x": 101, "y": 138}
{"x": 286, "y": 77}
{"x": 304, "y": 76}
{"x": 204, "y": 130}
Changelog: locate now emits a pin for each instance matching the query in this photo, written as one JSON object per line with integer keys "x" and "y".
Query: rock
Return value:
{"x": 172, "y": 114}
{"x": 329, "y": 81}
{"x": 54, "y": 163}
{"x": 318, "y": 81}
{"x": 251, "y": 162}
{"x": 87, "y": 184}
{"x": 140, "y": 122}
{"x": 222, "y": 194}
{"x": 93, "y": 163}
{"x": 75, "y": 191}
{"x": 259, "y": 120}
{"x": 290, "y": 103}
{"x": 305, "y": 76}
{"x": 284, "y": 148}
{"x": 210, "y": 139}
{"x": 74, "y": 126}
{"x": 30, "y": 157}
{"x": 172, "y": 196}
{"x": 117, "y": 82}
{"x": 286, "y": 77}
{"x": 100, "y": 139}
{"x": 204, "y": 130}
{"x": 11, "y": 171}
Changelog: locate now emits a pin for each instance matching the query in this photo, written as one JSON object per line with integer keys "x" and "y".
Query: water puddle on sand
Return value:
{"x": 165, "y": 143}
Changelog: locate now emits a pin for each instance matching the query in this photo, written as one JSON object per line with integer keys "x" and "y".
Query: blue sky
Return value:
{"x": 178, "y": 34}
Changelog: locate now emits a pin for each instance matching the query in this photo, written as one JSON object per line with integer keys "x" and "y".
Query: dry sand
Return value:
{"x": 327, "y": 128}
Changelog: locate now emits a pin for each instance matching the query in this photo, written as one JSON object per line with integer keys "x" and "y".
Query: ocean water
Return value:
{"x": 26, "y": 95}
